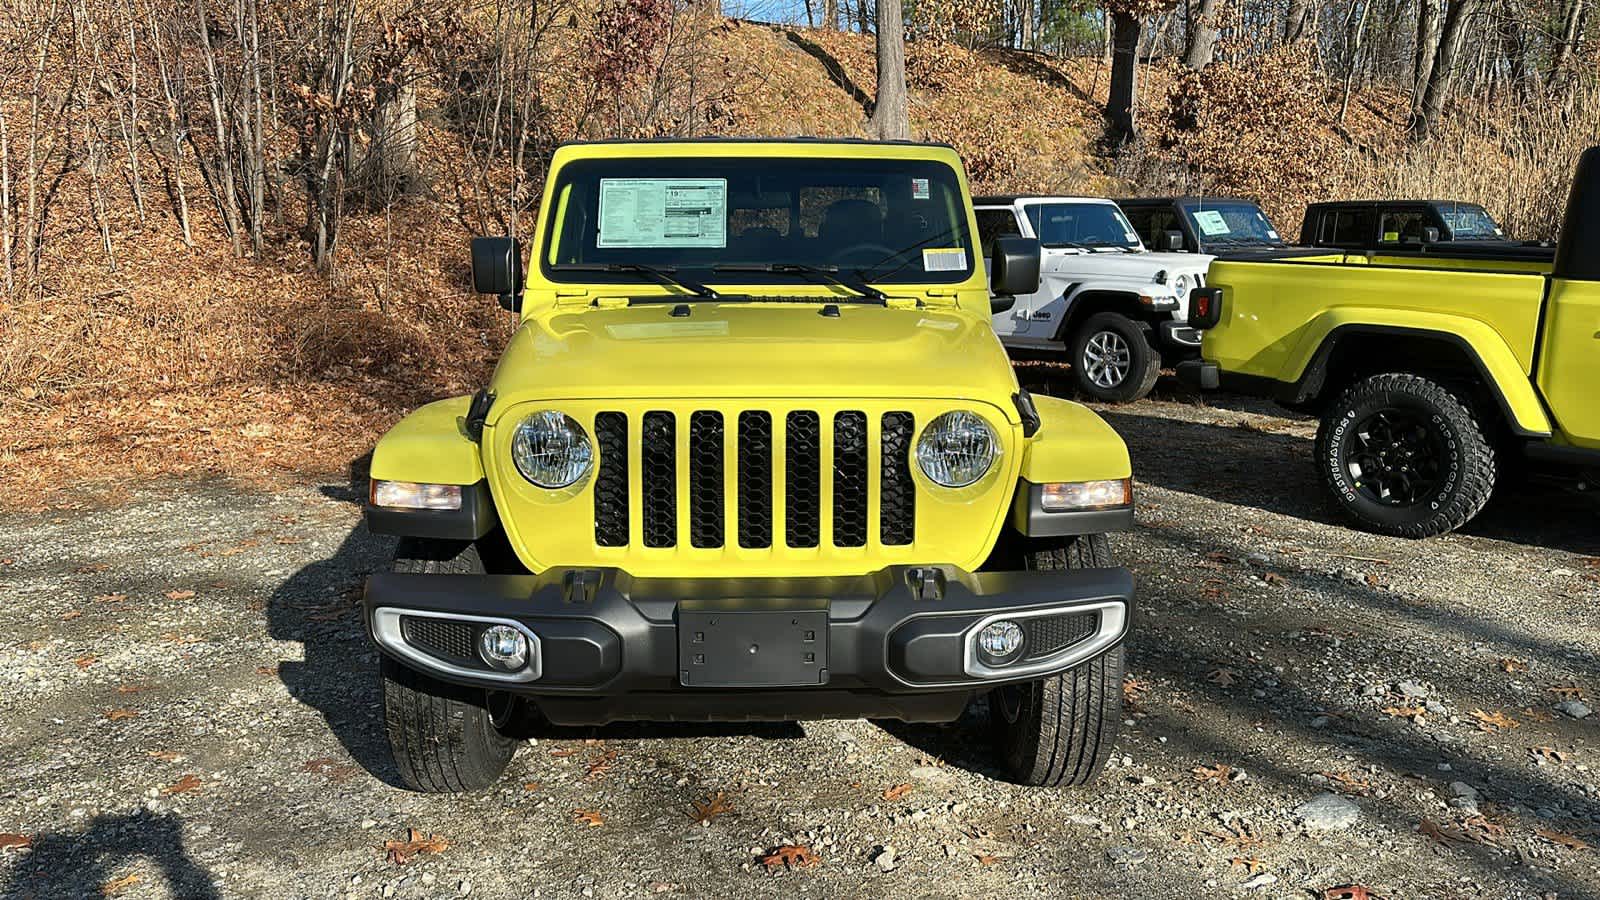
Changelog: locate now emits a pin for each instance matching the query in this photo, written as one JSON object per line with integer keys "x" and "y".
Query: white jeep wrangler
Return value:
{"x": 1115, "y": 309}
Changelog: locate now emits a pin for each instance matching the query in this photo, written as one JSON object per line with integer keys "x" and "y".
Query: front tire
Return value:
{"x": 1403, "y": 455}
{"x": 445, "y": 738}
{"x": 1058, "y": 731}
{"x": 1112, "y": 359}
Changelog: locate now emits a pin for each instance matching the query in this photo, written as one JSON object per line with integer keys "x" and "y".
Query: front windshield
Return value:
{"x": 1087, "y": 225}
{"x": 1469, "y": 222}
{"x": 1231, "y": 223}
{"x": 707, "y": 218}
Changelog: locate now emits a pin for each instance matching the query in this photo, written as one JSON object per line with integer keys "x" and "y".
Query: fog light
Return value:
{"x": 999, "y": 643}
{"x": 1074, "y": 495}
{"x": 503, "y": 647}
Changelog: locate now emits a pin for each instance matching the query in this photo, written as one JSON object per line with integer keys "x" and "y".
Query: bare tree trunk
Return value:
{"x": 863, "y": 15}
{"x": 222, "y": 160}
{"x": 1122, "y": 99}
{"x": 255, "y": 169}
{"x": 891, "y": 115}
{"x": 7, "y": 238}
{"x": 392, "y": 162}
{"x": 1567, "y": 42}
{"x": 33, "y": 228}
{"x": 173, "y": 93}
{"x": 1202, "y": 35}
{"x": 1442, "y": 79}
{"x": 1427, "y": 48}
{"x": 1294, "y": 23}
{"x": 830, "y": 15}
{"x": 1025, "y": 32}
{"x": 1355, "y": 26}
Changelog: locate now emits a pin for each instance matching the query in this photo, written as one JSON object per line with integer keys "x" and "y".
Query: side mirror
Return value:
{"x": 1013, "y": 268}
{"x": 497, "y": 269}
{"x": 1430, "y": 235}
{"x": 1172, "y": 241}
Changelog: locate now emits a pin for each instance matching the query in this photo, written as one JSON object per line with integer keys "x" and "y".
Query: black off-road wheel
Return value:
{"x": 1058, "y": 731}
{"x": 1403, "y": 455}
{"x": 446, "y": 738}
{"x": 1112, "y": 359}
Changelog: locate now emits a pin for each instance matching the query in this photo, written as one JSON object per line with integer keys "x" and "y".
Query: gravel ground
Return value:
{"x": 188, "y": 707}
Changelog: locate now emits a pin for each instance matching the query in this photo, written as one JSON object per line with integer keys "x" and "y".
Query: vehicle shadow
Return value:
{"x": 74, "y": 864}
{"x": 1265, "y": 466}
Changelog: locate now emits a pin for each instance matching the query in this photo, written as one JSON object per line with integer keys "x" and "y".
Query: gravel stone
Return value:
{"x": 1328, "y": 812}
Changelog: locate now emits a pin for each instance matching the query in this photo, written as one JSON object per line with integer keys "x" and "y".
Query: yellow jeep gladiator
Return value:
{"x": 754, "y": 453}
{"x": 1430, "y": 372}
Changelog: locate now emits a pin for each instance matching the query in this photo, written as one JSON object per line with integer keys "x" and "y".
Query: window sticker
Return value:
{"x": 663, "y": 212}
{"x": 919, "y": 189}
{"x": 1272, "y": 234}
{"x": 1211, "y": 222}
{"x": 944, "y": 259}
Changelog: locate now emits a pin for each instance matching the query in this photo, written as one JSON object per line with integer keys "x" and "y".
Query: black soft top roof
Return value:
{"x": 1335, "y": 204}
{"x": 1187, "y": 199}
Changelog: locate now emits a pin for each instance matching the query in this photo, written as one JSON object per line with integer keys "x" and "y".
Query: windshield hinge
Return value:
{"x": 477, "y": 412}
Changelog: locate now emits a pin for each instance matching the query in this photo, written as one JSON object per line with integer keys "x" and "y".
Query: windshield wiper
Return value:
{"x": 826, "y": 273}
{"x": 663, "y": 274}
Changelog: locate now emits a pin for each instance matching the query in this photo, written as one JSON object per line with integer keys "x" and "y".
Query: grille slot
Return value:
{"x": 450, "y": 641}
{"x": 755, "y": 479}
{"x": 803, "y": 480}
{"x": 705, "y": 479}
{"x": 850, "y": 479}
{"x": 611, "y": 480}
{"x": 1045, "y": 635}
{"x": 658, "y": 469}
{"x": 897, "y": 496}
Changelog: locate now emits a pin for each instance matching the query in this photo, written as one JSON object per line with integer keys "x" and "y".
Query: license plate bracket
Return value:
{"x": 752, "y": 648}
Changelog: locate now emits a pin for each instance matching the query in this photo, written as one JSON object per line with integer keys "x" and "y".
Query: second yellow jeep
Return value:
{"x": 754, "y": 453}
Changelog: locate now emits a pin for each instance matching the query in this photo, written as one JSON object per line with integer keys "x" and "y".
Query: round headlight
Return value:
{"x": 551, "y": 450}
{"x": 1181, "y": 285}
{"x": 957, "y": 448}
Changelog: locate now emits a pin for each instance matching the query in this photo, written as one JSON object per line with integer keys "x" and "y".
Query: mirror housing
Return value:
{"x": 1172, "y": 241}
{"x": 497, "y": 269}
{"x": 1013, "y": 267}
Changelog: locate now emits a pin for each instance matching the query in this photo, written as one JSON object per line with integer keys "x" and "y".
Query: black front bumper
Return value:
{"x": 899, "y": 642}
{"x": 1199, "y": 374}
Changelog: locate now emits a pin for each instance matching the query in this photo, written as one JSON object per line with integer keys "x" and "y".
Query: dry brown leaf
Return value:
{"x": 117, "y": 715}
{"x": 1567, "y": 691}
{"x": 1485, "y": 831}
{"x": 132, "y": 688}
{"x": 15, "y": 840}
{"x": 1494, "y": 722}
{"x": 600, "y": 765}
{"x": 1510, "y": 665}
{"x": 1273, "y": 578}
{"x": 164, "y": 755}
{"x": 266, "y": 670}
{"x": 333, "y": 769}
{"x": 1549, "y": 754}
{"x": 110, "y": 598}
{"x": 1223, "y": 676}
{"x": 118, "y": 885}
{"x": 1251, "y": 865}
{"x": 71, "y": 614}
{"x": 531, "y": 786}
{"x": 401, "y": 852}
{"x": 706, "y": 812}
{"x": 1403, "y": 712}
{"x": 791, "y": 856}
{"x": 895, "y": 793}
{"x": 589, "y": 817}
{"x": 1446, "y": 834}
{"x": 1218, "y": 773}
{"x": 1133, "y": 691}
{"x": 985, "y": 859}
{"x": 1349, "y": 892}
{"x": 1559, "y": 837}
{"x": 563, "y": 752}
{"x": 180, "y": 595}
{"x": 182, "y": 786}
{"x": 84, "y": 662}
{"x": 1238, "y": 832}
{"x": 1345, "y": 783}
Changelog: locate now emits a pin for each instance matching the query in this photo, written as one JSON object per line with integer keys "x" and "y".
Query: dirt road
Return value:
{"x": 188, "y": 707}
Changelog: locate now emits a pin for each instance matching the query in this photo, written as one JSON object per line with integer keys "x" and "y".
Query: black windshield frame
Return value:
{"x": 1226, "y": 207}
{"x": 922, "y": 203}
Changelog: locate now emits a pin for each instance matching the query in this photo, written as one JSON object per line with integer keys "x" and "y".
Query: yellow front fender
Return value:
{"x": 1073, "y": 444}
{"x": 430, "y": 446}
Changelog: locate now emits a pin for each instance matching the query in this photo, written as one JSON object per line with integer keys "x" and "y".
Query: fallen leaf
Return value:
{"x": 15, "y": 840}
{"x": 1567, "y": 691}
{"x": 1217, "y": 556}
{"x": 182, "y": 786}
{"x": 562, "y": 752}
{"x": 71, "y": 614}
{"x": 1252, "y": 866}
{"x": 118, "y": 885}
{"x": 1133, "y": 691}
{"x": 1403, "y": 712}
{"x": 1345, "y": 783}
{"x": 896, "y": 792}
{"x": 791, "y": 856}
{"x": 331, "y": 768}
{"x": 266, "y": 670}
{"x": 117, "y": 715}
{"x": 132, "y": 688}
{"x": 1562, "y": 838}
{"x": 401, "y": 852}
{"x": 1349, "y": 892}
{"x": 110, "y": 598}
{"x": 531, "y": 786}
{"x": 1510, "y": 665}
{"x": 589, "y": 817}
{"x": 706, "y": 812}
{"x": 985, "y": 859}
{"x": 1224, "y": 676}
{"x": 1549, "y": 754}
{"x": 1218, "y": 773}
{"x": 1485, "y": 831}
{"x": 89, "y": 568}
{"x": 180, "y": 595}
{"x": 1446, "y": 834}
{"x": 1274, "y": 578}
{"x": 1237, "y": 832}
{"x": 1494, "y": 722}
{"x": 600, "y": 765}
{"x": 84, "y": 662}
{"x": 164, "y": 755}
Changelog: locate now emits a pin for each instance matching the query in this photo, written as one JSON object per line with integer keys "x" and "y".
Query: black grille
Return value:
{"x": 705, "y": 479}
{"x": 1045, "y": 635}
{"x": 897, "y": 499}
{"x": 755, "y": 479}
{"x": 850, "y": 479}
{"x": 803, "y": 480}
{"x": 611, "y": 480}
{"x": 448, "y": 640}
{"x": 658, "y": 470}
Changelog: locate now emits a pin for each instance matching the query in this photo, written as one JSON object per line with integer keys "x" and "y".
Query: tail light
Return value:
{"x": 1205, "y": 307}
